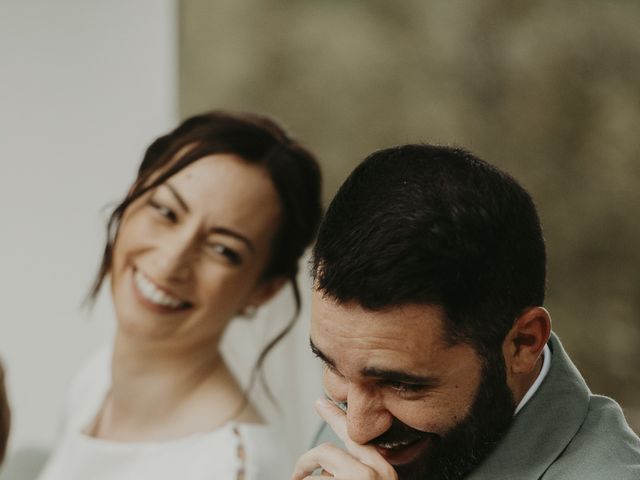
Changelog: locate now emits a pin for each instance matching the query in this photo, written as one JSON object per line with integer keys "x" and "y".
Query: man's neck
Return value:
{"x": 542, "y": 367}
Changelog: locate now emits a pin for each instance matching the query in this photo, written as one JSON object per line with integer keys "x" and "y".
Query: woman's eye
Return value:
{"x": 163, "y": 210}
{"x": 226, "y": 252}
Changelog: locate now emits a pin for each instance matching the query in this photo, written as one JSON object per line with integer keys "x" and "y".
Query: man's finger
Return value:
{"x": 333, "y": 461}
{"x": 334, "y": 417}
{"x": 368, "y": 455}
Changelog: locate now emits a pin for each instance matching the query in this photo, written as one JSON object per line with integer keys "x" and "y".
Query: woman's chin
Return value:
{"x": 144, "y": 328}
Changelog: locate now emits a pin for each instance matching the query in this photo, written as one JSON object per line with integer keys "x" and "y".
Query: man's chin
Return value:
{"x": 420, "y": 468}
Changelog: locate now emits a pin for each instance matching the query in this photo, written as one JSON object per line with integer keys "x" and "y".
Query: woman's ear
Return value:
{"x": 266, "y": 290}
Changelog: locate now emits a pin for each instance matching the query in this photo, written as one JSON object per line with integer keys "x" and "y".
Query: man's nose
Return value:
{"x": 367, "y": 417}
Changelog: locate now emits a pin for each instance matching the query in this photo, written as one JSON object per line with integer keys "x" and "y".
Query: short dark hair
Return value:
{"x": 434, "y": 225}
{"x": 256, "y": 139}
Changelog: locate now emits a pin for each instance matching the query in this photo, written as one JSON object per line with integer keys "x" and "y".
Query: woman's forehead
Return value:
{"x": 229, "y": 189}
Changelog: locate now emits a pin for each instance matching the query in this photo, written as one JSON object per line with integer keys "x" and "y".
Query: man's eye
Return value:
{"x": 163, "y": 210}
{"x": 341, "y": 405}
{"x": 405, "y": 387}
{"x": 226, "y": 252}
{"x": 330, "y": 368}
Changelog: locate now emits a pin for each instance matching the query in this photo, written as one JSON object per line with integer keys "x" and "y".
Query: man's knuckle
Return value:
{"x": 369, "y": 473}
{"x": 389, "y": 473}
{"x": 325, "y": 447}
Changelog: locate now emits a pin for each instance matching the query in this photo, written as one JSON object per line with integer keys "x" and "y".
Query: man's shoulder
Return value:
{"x": 604, "y": 447}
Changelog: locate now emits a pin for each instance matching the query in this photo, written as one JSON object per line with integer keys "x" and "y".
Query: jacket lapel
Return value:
{"x": 544, "y": 427}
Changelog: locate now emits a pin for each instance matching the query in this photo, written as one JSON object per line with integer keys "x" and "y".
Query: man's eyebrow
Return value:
{"x": 318, "y": 353}
{"x": 220, "y": 230}
{"x": 400, "y": 376}
{"x": 381, "y": 374}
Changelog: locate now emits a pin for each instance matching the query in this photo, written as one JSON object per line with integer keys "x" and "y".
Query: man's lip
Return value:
{"x": 404, "y": 453}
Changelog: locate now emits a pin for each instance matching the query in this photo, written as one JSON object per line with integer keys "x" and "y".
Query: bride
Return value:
{"x": 213, "y": 226}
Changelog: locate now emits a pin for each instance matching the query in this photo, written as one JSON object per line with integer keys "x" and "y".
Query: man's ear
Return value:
{"x": 523, "y": 344}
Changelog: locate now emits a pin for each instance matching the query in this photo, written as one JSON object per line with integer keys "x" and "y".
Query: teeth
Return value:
{"x": 395, "y": 444}
{"x": 153, "y": 294}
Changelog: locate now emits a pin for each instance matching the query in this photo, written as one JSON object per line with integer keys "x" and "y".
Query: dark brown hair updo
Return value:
{"x": 256, "y": 139}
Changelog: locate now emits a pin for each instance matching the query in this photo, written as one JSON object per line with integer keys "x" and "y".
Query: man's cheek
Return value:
{"x": 422, "y": 417}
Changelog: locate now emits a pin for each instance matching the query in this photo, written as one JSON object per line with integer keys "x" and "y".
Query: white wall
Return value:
{"x": 84, "y": 87}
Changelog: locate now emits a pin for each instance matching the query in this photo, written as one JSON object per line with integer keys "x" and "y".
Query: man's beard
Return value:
{"x": 458, "y": 451}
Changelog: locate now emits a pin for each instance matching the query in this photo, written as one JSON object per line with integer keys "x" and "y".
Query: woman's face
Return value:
{"x": 190, "y": 253}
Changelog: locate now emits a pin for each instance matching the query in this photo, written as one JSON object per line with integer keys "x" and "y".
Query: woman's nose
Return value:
{"x": 176, "y": 255}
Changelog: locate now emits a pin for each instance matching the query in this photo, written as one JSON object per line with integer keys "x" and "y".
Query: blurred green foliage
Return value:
{"x": 549, "y": 91}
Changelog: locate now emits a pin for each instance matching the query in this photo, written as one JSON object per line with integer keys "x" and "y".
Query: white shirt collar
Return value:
{"x": 546, "y": 364}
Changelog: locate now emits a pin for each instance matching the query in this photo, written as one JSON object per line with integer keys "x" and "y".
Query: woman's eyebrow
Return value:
{"x": 177, "y": 196}
{"x": 219, "y": 230}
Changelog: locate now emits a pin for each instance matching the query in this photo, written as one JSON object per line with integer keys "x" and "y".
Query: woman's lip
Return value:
{"x": 404, "y": 454}
{"x": 151, "y": 304}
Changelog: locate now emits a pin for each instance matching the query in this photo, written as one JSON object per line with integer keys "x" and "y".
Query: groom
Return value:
{"x": 439, "y": 359}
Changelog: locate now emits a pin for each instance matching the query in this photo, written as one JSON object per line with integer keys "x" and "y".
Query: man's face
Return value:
{"x": 428, "y": 407}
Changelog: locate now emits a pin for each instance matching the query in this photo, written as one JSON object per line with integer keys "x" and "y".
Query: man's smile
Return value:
{"x": 401, "y": 452}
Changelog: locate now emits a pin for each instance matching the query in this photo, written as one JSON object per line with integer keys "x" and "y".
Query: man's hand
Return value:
{"x": 359, "y": 462}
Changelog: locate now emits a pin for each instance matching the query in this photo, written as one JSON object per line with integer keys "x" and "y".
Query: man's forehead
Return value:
{"x": 403, "y": 342}
{"x": 349, "y": 319}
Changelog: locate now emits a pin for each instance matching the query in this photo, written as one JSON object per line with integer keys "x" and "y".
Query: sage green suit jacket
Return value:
{"x": 564, "y": 432}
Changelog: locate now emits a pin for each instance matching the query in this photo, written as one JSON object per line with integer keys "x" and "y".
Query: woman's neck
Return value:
{"x": 160, "y": 392}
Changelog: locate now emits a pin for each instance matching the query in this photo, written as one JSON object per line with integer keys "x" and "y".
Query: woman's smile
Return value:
{"x": 154, "y": 296}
